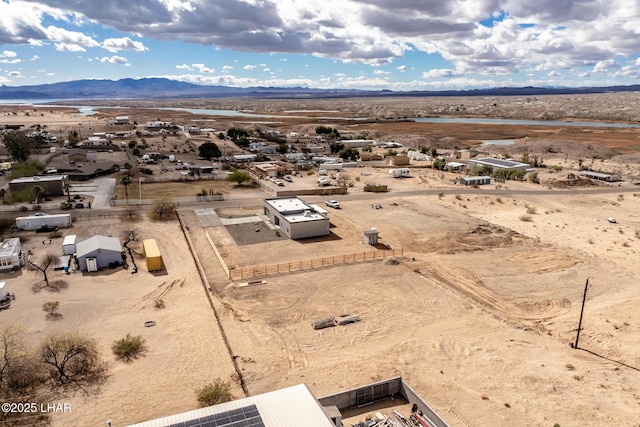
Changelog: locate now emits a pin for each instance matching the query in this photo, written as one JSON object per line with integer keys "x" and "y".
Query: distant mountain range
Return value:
{"x": 158, "y": 88}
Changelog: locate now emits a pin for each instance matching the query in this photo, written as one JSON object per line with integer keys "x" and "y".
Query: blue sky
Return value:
{"x": 359, "y": 44}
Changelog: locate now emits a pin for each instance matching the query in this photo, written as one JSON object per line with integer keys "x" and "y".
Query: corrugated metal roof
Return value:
{"x": 98, "y": 242}
{"x": 288, "y": 407}
{"x": 9, "y": 246}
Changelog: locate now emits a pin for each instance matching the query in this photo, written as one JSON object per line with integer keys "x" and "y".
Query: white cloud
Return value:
{"x": 379, "y": 72}
{"x": 183, "y": 67}
{"x": 248, "y": 67}
{"x": 558, "y": 35}
{"x": 266, "y": 69}
{"x": 9, "y": 54}
{"x": 124, "y": 43}
{"x": 66, "y": 47}
{"x": 34, "y": 58}
{"x": 10, "y": 61}
{"x": 115, "y": 59}
{"x": 440, "y": 73}
{"x": 202, "y": 68}
{"x": 227, "y": 68}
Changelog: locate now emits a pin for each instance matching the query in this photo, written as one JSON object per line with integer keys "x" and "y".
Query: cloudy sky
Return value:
{"x": 362, "y": 44}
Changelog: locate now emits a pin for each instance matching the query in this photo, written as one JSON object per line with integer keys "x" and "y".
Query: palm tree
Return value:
{"x": 37, "y": 191}
{"x": 126, "y": 182}
{"x": 67, "y": 189}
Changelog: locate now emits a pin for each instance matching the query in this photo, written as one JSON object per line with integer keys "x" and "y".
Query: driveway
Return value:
{"x": 102, "y": 190}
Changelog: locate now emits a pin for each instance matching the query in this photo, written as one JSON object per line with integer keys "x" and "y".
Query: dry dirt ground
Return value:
{"x": 477, "y": 317}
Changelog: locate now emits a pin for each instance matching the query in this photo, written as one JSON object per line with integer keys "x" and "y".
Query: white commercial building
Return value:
{"x": 288, "y": 407}
{"x": 296, "y": 218}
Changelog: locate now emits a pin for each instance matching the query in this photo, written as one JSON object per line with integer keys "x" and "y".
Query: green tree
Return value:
{"x": 27, "y": 168}
{"x": 209, "y": 150}
{"x": 129, "y": 347}
{"x": 236, "y": 133}
{"x": 336, "y": 147}
{"x": 239, "y": 176}
{"x": 349, "y": 154}
{"x": 282, "y": 148}
{"x": 439, "y": 164}
{"x": 18, "y": 145}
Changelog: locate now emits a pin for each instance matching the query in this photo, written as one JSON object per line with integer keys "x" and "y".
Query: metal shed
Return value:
{"x": 98, "y": 252}
{"x": 69, "y": 244}
{"x": 152, "y": 255}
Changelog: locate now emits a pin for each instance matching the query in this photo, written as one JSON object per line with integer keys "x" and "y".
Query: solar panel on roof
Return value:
{"x": 247, "y": 416}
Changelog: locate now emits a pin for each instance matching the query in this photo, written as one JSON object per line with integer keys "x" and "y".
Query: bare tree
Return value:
{"x": 43, "y": 265}
{"x": 20, "y": 372}
{"x": 131, "y": 213}
{"x": 163, "y": 209}
{"x": 73, "y": 359}
{"x": 130, "y": 234}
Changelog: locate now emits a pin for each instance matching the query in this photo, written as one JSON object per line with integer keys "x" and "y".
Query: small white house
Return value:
{"x": 69, "y": 244}
{"x": 11, "y": 254}
{"x": 98, "y": 252}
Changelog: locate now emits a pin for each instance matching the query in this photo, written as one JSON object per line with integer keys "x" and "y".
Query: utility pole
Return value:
{"x": 584, "y": 298}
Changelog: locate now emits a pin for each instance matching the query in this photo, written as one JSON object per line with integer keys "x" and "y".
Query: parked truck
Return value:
{"x": 43, "y": 222}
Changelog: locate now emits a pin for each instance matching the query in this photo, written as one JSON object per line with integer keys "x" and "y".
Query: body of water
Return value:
{"x": 88, "y": 110}
{"x": 498, "y": 142}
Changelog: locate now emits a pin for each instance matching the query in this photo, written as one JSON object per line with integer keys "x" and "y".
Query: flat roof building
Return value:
{"x": 51, "y": 185}
{"x": 599, "y": 176}
{"x": 500, "y": 164}
{"x": 296, "y": 218}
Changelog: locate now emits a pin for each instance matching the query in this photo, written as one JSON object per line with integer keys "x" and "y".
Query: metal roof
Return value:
{"x": 9, "y": 246}
{"x": 499, "y": 163}
{"x": 34, "y": 179}
{"x": 288, "y": 407}
{"x": 98, "y": 242}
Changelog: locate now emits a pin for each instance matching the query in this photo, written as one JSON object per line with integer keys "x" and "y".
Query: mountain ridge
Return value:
{"x": 159, "y": 88}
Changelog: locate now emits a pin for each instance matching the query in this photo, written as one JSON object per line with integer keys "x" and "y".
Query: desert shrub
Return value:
{"x": 51, "y": 308}
{"x": 129, "y": 347}
{"x": 526, "y": 218}
{"x": 459, "y": 197}
{"x": 159, "y": 304}
{"x": 214, "y": 393}
{"x": 532, "y": 210}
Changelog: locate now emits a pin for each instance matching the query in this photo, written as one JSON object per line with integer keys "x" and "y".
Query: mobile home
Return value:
{"x": 400, "y": 172}
{"x": 11, "y": 254}
{"x": 35, "y": 222}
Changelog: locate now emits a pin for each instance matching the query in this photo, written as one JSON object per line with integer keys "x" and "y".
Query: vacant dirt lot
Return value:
{"x": 477, "y": 317}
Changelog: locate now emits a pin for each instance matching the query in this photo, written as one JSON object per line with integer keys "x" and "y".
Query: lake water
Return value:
{"x": 87, "y": 110}
{"x": 498, "y": 142}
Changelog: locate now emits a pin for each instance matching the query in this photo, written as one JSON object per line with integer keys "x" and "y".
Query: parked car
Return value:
{"x": 79, "y": 205}
{"x": 324, "y": 181}
{"x": 612, "y": 220}
{"x": 39, "y": 214}
{"x": 287, "y": 178}
{"x": 279, "y": 183}
{"x": 46, "y": 229}
{"x": 333, "y": 204}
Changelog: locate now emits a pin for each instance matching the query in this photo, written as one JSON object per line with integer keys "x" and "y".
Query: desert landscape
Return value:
{"x": 478, "y": 313}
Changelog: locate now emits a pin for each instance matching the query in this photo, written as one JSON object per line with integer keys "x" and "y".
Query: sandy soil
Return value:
{"x": 477, "y": 317}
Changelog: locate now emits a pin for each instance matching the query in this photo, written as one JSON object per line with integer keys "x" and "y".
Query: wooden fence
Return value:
{"x": 308, "y": 264}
